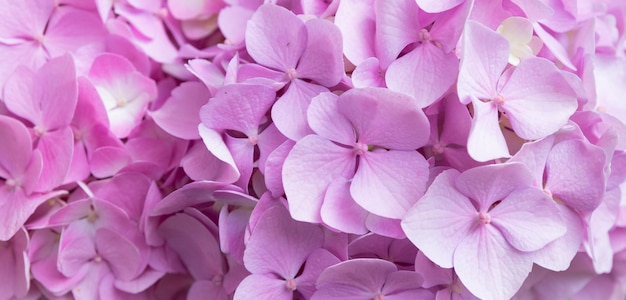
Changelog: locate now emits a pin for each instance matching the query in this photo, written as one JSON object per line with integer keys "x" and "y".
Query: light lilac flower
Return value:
{"x": 277, "y": 250}
{"x": 534, "y": 96}
{"x": 47, "y": 99}
{"x": 306, "y": 56}
{"x": 361, "y": 134}
{"x": 124, "y": 91}
{"x": 484, "y": 222}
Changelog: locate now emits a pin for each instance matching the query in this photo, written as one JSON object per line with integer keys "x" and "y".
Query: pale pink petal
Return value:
{"x": 274, "y": 168}
{"x": 488, "y": 266}
{"x": 326, "y": 121}
{"x": 310, "y": 167}
{"x": 397, "y": 26}
{"x": 280, "y": 245}
{"x": 179, "y": 115}
{"x": 232, "y": 22}
{"x": 388, "y": 183}
{"x": 558, "y": 255}
{"x": 70, "y": 29}
{"x": 433, "y": 6}
{"x": 264, "y": 287}
{"x": 23, "y": 19}
{"x": 449, "y": 25}
{"x": 485, "y": 55}
{"x": 290, "y": 111}
{"x": 368, "y": 74}
{"x": 227, "y": 111}
{"x": 440, "y": 220}
{"x": 124, "y": 91}
{"x": 487, "y": 184}
{"x": 16, "y": 155}
{"x": 19, "y": 95}
{"x": 385, "y": 226}
{"x": 339, "y": 211}
{"x": 425, "y": 73}
{"x": 384, "y": 118}
{"x": 575, "y": 174}
{"x": 321, "y": 60}
{"x": 275, "y": 37}
{"x": 486, "y": 141}
{"x": 538, "y": 100}
{"x": 528, "y": 219}
{"x": 357, "y": 21}
{"x": 193, "y": 9}
{"x": 106, "y": 161}
{"x": 57, "y": 148}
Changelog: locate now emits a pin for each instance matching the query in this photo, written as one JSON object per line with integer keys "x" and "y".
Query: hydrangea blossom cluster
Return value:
{"x": 312, "y": 149}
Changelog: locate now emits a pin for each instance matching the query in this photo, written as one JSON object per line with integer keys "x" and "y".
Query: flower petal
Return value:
{"x": 388, "y": 183}
{"x": 440, "y": 220}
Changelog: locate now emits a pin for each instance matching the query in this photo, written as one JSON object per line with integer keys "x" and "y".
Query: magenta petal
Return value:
{"x": 226, "y": 110}
{"x": 326, "y": 121}
{"x": 200, "y": 164}
{"x": 566, "y": 163}
{"x": 322, "y": 61}
{"x": 280, "y": 245}
{"x": 486, "y": 141}
{"x": 106, "y": 161}
{"x": 19, "y": 95}
{"x": 290, "y": 111}
{"x": 194, "y": 244}
{"x": 76, "y": 248}
{"x": 387, "y": 183}
{"x": 384, "y": 118}
{"x": 14, "y": 156}
{"x": 275, "y": 37}
{"x": 528, "y": 219}
{"x": 179, "y": 115}
{"x": 488, "y": 266}
{"x": 121, "y": 255}
{"x": 485, "y": 54}
{"x": 425, "y": 73}
{"x": 56, "y": 92}
{"x": 440, "y": 220}
{"x": 201, "y": 289}
{"x": 56, "y": 148}
{"x": 264, "y": 287}
{"x": 310, "y": 167}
